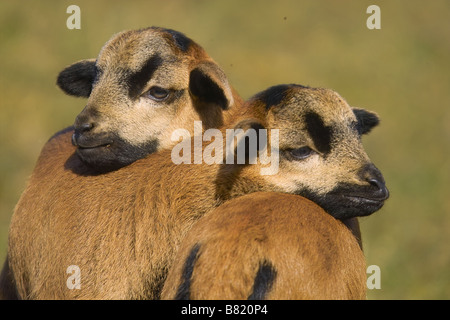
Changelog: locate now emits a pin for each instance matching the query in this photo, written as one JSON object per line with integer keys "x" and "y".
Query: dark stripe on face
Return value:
{"x": 183, "y": 292}
{"x": 319, "y": 133}
{"x": 119, "y": 154}
{"x": 264, "y": 279}
{"x": 138, "y": 80}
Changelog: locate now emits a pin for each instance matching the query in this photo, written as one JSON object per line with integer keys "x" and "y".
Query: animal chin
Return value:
{"x": 366, "y": 206}
{"x": 97, "y": 146}
{"x": 111, "y": 154}
{"x": 345, "y": 205}
{"x": 97, "y": 155}
{"x": 90, "y": 142}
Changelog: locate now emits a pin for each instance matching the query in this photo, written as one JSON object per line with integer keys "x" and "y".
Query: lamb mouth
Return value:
{"x": 86, "y": 145}
{"x": 103, "y": 145}
{"x": 345, "y": 205}
{"x": 367, "y": 200}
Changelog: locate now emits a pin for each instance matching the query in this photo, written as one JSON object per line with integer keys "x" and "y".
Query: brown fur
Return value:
{"x": 313, "y": 255}
{"x": 123, "y": 228}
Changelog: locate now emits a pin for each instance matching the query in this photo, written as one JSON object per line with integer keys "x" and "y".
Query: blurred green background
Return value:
{"x": 401, "y": 71}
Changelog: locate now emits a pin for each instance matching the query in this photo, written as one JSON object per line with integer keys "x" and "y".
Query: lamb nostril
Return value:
{"x": 74, "y": 140}
{"x": 376, "y": 183}
{"x": 79, "y": 130}
{"x": 85, "y": 126}
{"x": 382, "y": 191}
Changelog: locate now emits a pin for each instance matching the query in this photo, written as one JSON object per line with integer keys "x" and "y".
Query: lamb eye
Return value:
{"x": 301, "y": 153}
{"x": 158, "y": 93}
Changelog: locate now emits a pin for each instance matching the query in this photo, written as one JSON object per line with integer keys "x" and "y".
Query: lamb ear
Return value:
{"x": 209, "y": 84}
{"x": 248, "y": 143}
{"x": 366, "y": 120}
{"x": 77, "y": 79}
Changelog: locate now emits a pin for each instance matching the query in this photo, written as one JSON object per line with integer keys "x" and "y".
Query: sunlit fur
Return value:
{"x": 267, "y": 245}
{"x": 123, "y": 228}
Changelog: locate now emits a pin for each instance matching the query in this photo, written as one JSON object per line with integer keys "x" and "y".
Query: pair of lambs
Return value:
{"x": 106, "y": 196}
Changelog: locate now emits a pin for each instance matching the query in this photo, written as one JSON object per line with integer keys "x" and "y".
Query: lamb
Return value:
{"x": 267, "y": 245}
{"x": 123, "y": 228}
{"x": 143, "y": 85}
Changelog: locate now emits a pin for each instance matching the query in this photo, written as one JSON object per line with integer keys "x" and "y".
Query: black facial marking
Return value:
{"x": 265, "y": 276}
{"x": 183, "y": 292}
{"x": 180, "y": 39}
{"x": 347, "y": 200}
{"x": 320, "y": 134}
{"x": 137, "y": 81}
{"x": 116, "y": 155}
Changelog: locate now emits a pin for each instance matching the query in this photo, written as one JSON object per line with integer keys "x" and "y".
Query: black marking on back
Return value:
{"x": 265, "y": 276}
{"x": 184, "y": 290}
{"x": 319, "y": 133}
{"x": 137, "y": 80}
{"x": 180, "y": 39}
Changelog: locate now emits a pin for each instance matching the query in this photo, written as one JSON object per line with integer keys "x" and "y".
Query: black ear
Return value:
{"x": 250, "y": 142}
{"x": 366, "y": 120}
{"x": 208, "y": 84}
{"x": 77, "y": 79}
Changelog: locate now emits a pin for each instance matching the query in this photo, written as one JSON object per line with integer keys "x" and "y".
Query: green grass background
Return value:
{"x": 401, "y": 71}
